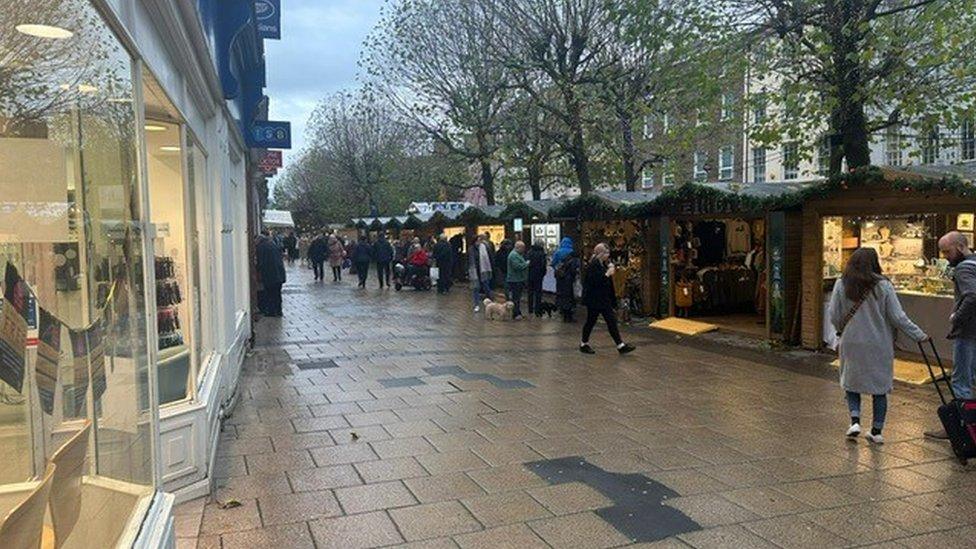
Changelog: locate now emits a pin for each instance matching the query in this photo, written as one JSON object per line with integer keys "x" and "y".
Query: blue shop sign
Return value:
{"x": 265, "y": 134}
{"x": 268, "y": 13}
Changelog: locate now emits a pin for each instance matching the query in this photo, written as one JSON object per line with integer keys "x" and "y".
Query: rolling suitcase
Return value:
{"x": 958, "y": 415}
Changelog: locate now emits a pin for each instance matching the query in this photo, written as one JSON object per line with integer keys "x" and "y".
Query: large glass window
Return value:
{"x": 759, "y": 164}
{"x": 791, "y": 160}
{"x": 171, "y": 210}
{"x": 74, "y": 370}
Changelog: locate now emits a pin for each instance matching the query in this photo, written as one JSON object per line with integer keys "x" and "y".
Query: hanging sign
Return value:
{"x": 268, "y": 13}
{"x": 13, "y": 328}
{"x": 517, "y": 224}
{"x": 266, "y": 134}
{"x": 48, "y": 356}
{"x": 270, "y": 161}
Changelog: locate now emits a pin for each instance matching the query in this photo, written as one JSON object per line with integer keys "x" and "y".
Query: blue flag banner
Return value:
{"x": 268, "y": 13}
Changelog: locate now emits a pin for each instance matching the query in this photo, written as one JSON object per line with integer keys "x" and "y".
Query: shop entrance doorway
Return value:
{"x": 718, "y": 265}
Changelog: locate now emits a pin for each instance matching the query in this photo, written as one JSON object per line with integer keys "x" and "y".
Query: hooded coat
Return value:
{"x": 537, "y": 263}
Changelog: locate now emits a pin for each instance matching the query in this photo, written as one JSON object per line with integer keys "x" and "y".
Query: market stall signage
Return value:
{"x": 431, "y": 207}
{"x": 266, "y": 134}
{"x": 517, "y": 225}
{"x": 700, "y": 206}
{"x": 776, "y": 234}
{"x": 268, "y": 13}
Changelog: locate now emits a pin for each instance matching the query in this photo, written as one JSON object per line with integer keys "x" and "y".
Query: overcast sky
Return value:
{"x": 316, "y": 56}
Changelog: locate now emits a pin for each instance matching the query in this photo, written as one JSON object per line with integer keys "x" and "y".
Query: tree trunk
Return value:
{"x": 534, "y": 178}
{"x": 487, "y": 181}
{"x": 628, "y": 152}
{"x": 577, "y": 151}
{"x": 849, "y": 120}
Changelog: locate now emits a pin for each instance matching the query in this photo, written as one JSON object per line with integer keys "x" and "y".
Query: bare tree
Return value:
{"x": 430, "y": 60}
{"x": 554, "y": 49}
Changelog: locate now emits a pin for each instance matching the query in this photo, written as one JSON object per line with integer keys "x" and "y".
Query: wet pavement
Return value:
{"x": 374, "y": 418}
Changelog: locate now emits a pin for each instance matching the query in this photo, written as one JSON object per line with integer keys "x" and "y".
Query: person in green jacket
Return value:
{"x": 518, "y": 272}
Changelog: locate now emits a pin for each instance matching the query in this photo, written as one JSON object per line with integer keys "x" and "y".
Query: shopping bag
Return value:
{"x": 435, "y": 273}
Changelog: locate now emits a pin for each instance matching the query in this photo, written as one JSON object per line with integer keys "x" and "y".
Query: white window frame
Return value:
{"x": 666, "y": 122}
{"x": 667, "y": 178}
{"x": 648, "y": 128}
{"x": 892, "y": 146}
{"x": 931, "y": 147}
{"x": 791, "y": 160}
{"x": 700, "y": 173}
{"x": 647, "y": 178}
{"x": 725, "y": 170}
{"x": 967, "y": 140}
{"x": 823, "y": 155}
{"x": 727, "y": 101}
{"x": 759, "y": 164}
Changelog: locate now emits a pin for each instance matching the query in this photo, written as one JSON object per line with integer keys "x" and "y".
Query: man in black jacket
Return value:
{"x": 362, "y": 256}
{"x": 271, "y": 269}
{"x": 600, "y": 299}
{"x": 318, "y": 252}
{"x": 444, "y": 257}
{"x": 537, "y": 271}
{"x": 383, "y": 255}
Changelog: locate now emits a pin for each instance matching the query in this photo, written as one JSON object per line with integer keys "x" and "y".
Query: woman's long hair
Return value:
{"x": 862, "y": 273}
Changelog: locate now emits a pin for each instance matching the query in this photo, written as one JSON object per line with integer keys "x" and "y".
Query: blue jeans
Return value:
{"x": 879, "y": 405}
{"x": 480, "y": 289}
{"x": 964, "y": 367}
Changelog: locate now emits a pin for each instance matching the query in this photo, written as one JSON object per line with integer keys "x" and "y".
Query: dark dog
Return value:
{"x": 546, "y": 309}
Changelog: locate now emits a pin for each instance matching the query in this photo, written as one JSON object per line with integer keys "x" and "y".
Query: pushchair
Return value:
{"x": 411, "y": 275}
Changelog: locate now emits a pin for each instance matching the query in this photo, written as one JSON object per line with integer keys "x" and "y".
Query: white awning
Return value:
{"x": 278, "y": 218}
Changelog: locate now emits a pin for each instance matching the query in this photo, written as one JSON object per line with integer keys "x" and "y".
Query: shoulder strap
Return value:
{"x": 850, "y": 314}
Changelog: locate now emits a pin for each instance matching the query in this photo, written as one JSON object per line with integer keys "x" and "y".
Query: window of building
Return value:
{"x": 967, "y": 139}
{"x": 726, "y": 160}
{"x": 647, "y": 178}
{"x": 700, "y": 173}
{"x": 666, "y": 123}
{"x": 791, "y": 160}
{"x": 892, "y": 146}
{"x": 667, "y": 176}
{"x": 71, "y": 274}
{"x": 728, "y": 101}
{"x": 930, "y": 147}
{"x": 648, "y": 130}
{"x": 823, "y": 155}
{"x": 759, "y": 109}
{"x": 759, "y": 164}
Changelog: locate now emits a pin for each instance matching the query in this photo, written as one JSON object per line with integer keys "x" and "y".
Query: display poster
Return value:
{"x": 48, "y": 356}
{"x": 664, "y": 295}
{"x": 776, "y": 245}
{"x": 34, "y": 204}
{"x": 13, "y": 328}
{"x": 79, "y": 365}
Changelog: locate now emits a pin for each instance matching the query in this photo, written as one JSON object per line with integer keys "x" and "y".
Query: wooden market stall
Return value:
{"x": 899, "y": 213}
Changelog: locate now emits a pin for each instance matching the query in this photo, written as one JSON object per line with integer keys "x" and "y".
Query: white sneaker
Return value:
{"x": 477, "y": 308}
{"x": 854, "y": 431}
{"x": 877, "y": 439}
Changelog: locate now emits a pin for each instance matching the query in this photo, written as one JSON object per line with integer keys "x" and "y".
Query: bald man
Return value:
{"x": 962, "y": 322}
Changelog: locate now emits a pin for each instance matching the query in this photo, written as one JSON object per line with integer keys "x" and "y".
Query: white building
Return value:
{"x": 123, "y": 244}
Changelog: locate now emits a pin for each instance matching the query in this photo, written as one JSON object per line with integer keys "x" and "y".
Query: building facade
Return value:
{"x": 124, "y": 238}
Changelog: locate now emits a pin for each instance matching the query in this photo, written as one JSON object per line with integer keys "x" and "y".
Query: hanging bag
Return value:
{"x": 850, "y": 314}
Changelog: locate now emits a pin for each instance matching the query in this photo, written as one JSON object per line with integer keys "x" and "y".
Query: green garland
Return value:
{"x": 589, "y": 206}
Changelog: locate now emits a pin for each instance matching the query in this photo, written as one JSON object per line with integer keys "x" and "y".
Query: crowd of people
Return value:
{"x": 864, "y": 308}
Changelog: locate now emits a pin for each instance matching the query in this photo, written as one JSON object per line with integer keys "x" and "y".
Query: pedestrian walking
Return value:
{"x": 536, "y": 257}
{"x": 318, "y": 252}
{"x": 304, "y": 243}
{"x": 383, "y": 255}
{"x": 479, "y": 271}
{"x": 566, "y": 267}
{"x": 962, "y": 322}
{"x": 516, "y": 273}
{"x": 271, "y": 270}
{"x": 600, "y": 299}
{"x": 444, "y": 258}
{"x": 865, "y": 312}
{"x": 290, "y": 243}
{"x": 362, "y": 256}
{"x": 337, "y": 254}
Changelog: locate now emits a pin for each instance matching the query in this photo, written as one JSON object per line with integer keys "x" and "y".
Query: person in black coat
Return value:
{"x": 444, "y": 257}
{"x": 383, "y": 255}
{"x": 271, "y": 270}
{"x": 362, "y": 256}
{"x": 600, "y": 299}
{"x": 536, "y": 257}
{"x": 318, "y": 252}
{"x": 290, "y": 244}
{"x": 501, "y": 262}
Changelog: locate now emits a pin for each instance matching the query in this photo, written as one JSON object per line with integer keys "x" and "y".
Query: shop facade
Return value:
{"x": 901, "y": 215}
{"x": 123, "y": 218}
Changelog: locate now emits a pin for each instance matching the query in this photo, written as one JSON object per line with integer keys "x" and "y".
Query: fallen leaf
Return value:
{"x": 354, "y": 435}
{"x": 229, "y": 504}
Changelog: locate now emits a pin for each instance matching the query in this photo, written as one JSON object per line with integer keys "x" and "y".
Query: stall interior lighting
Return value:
{"x": 169, "y": 148}
{"x": 44, "y": 31}
{"x": 155, "y": 128}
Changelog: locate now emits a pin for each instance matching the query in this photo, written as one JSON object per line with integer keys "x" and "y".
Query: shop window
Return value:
{"x": 759, "y": 164}
{"x": 172, "y": 212}
{"x": 893, "y": 146}
{"x": 791, "y": 160}
{"x": 647, "y": 178}
{"x": 931, "y": 147}
{"x": 700, "y": 173}
{"x": 726, "y": 161}
{"x": 967, "y": 139}
{"x": 74, "y": 364}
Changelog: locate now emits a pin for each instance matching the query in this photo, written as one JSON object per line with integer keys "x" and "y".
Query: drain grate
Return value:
{"x": 317, "y": 365}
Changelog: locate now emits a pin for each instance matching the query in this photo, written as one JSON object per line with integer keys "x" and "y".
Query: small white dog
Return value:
{"x": 498, "y": 311}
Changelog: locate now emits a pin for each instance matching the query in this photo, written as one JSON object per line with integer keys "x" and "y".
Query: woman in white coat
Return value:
{"x": 865, "y": 312}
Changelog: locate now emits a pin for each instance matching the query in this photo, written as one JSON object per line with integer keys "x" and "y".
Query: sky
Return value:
{"x": 320, "y": 44}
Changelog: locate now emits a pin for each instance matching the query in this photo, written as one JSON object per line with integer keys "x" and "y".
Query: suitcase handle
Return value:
{"x": 944, "y": 376}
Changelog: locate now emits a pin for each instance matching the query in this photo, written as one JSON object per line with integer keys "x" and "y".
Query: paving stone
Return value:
{"x": 290, "y": 535}
{"x": 323, "y": 478}
{"x": 235, "y": 519}
{"x": 708, "y": 510}
{"x": 726, "y": 536}
{"x": 347, "y": 453}
{"x": 443, "y": 487}
{"x": 390, "y": 469}
{"x": 434, "y": 520}
{"x": 317, "y": 424}
{"x": 766, "y": 502}
{"x": 569, "y": 498}
{"x": 583, "y": 531}
{"x": 505, "y": 478}
{"x": 516, "y": 536}
{"x": 301, "y": 507}
{"x": 251, "y": 486}
{"x": 792, "y": 532}
{"x": 292, "y": 441}
{"x": 403, "y": 447}
{"x": 355, "y": 531}
{"x": 505, "y": 508}
{"x": 374, "y": 497}
{"x": 279, "y": 461}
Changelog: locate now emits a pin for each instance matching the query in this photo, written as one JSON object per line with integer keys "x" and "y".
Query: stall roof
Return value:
{"x": 629, "y": 198}
{"x": 278, "y": 218}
